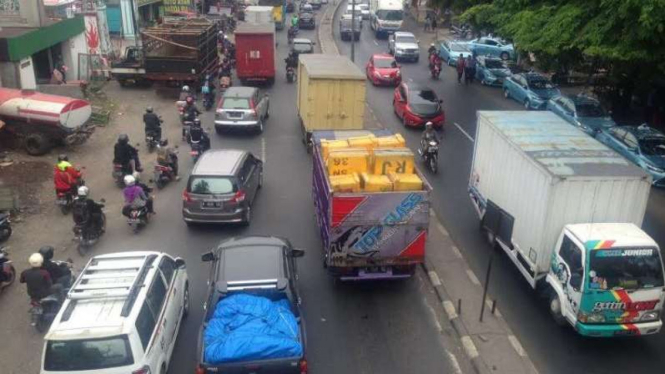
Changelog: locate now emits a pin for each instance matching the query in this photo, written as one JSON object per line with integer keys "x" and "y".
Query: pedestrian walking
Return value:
{"x": 470, "y": 69}
{"x": 460, "y": 68}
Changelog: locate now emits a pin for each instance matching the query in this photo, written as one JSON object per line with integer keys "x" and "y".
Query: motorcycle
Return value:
{"x": 435, "y": 70}
{"x": 118, "y": 175}
{"x": 461, "y": 32}
{"x": 196, "y": 150}
{"x": 43, "y": 311}
{"x": 7, "y": 269}
{"x": 430, "y": 155}
{"x": 5, "y": 226}
{"x": 290, "y": 74}
{"x": 208, "y": 101}
{"x": 151, "y": 142}
{"x": 86, "y": 236}
{"x": 138, "y": 217}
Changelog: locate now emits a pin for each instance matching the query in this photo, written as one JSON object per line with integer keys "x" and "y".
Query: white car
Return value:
{"x": 364, "y": 10}
{"x": 404, "y": 46}
{"x": 122, "y": 315}
{"x": 349, "y": 11}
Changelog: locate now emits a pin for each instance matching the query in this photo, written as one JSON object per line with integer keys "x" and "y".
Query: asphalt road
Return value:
{"x": 553, "y": 349}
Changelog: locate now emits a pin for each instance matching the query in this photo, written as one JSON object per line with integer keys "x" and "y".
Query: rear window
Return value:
{"x": 235, "y": 103}
{"x": 89, "y": 354}
{"x": 211, "y": 185}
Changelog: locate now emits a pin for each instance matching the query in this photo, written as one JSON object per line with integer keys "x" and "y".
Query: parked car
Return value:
{"x": 257, "y": 276}
{"x": 122, "y": 315}
{"x": 487, "y": 46}
{"x": 531, "y": 89}
{"x": 302, "y": 45}
{"x": 404, "y": 46}
{"x": 345, "y": 25}
{"x": 222, "y": 187}
{"x": 491, "y": 71}
{"x": 449, "y": 51}
{"x": 306, "y": 20}
{"x": 417, "y": 105}
{"x": 382, "y": 69}
{"x": 242, "y": 108}
{"x": 581, "y": 111}
{"x": 643, "y": 145}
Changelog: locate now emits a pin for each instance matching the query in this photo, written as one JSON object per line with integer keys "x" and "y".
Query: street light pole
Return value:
{"x": 353, "y": 30}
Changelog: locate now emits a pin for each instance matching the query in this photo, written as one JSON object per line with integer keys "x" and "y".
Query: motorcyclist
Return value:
{"x": 431, "y": 49}
{"x": 428, "y": 135}
{"x": 86, "y": 211}
{"x": 190, "y": 110}
{"x": 124, "y": 154}
{"x": 185, "y": 93}
{"x": 38, "y": 280}
{"x": 60, "y": 274}
{"x": 152, "y": 124}
{"x": 134, "y": 196}
{"x": 294, "y": 21}
{"x": 146, "y": 190}
{"x": 65, "y": 176}
{"x": 167, "y": 157}
{"x": 208, "y": 89}
{"x": 198, "y": 136}
{"x": 225, "y": 68}
{"x": 292, "y": 60}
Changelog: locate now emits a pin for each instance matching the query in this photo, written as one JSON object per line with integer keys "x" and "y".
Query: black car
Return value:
{"x": 307, "y": 21}
{"x": 250, "y": 267}
{"x": 345, "y": 32}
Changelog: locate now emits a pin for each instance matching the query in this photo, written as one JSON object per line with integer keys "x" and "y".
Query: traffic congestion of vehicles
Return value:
{"x": 558, "y": 188}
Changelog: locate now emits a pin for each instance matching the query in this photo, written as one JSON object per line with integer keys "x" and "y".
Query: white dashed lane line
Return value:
{"x": 463, "y": 132}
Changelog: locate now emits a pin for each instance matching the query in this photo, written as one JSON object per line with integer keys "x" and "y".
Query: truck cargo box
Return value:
{"x": 538, "y": 173}
{"x": 255, "y": 52}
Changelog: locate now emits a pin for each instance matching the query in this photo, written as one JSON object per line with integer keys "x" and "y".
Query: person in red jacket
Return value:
{"x": 65, "y": 175}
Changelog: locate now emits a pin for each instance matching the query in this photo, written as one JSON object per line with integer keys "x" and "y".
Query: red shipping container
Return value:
{"x": 255, "y": 52}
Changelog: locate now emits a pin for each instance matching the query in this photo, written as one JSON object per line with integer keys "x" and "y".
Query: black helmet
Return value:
{"x": 63, "y": 157}
{"x": 46, "y": 252}
{"x": 148, "y": 109}
{"x": 197, "y": 121}
{"x": 123, "y": 138}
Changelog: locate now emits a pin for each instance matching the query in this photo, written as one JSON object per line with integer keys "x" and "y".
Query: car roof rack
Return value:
{"x": 100, "y": 279}
{"x": 264, "y": 284}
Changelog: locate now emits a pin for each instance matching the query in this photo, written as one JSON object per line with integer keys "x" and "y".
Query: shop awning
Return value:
{"x": 17, "y": 43}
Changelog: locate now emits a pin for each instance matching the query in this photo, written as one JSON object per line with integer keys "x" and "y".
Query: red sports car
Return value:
{"x": 382, "y": 69}
{"x": 417, "y": 105}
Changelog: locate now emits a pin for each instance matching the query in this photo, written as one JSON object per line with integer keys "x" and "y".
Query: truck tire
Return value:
{"x": 37, "y": 144}
{"x": 555, "y": 309}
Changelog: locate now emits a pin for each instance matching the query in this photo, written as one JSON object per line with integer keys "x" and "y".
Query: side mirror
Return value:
{"x": 576, "y": 281}
{"x": 179, "y": 262}
{"x": 295, "y": 252}
{"x": 208, "y": 257}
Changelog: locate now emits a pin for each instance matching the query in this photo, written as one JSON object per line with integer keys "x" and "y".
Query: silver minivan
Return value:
{"x": 222, "y": 187}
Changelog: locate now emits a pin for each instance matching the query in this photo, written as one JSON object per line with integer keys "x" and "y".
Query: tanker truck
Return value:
{"x": 40, "y": 121}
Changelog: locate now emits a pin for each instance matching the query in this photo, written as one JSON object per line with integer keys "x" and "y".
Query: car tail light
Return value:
{"x": 185, "y": 196}
{"x": 303, "y": 366}
{"x": 143, "y": 370}
{"x": 199, "y": 370}
{"x": 238, "y": 197}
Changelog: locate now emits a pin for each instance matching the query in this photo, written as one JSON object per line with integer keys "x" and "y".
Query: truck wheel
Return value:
{"x": 37, "y": 144}
{"x": 555, "y": 309}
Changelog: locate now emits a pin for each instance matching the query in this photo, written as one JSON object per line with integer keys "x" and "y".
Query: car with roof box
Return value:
{"x": 122, "y": 315}
{"x": 242, "y": 108}
{"x": 222, "y": 187}
{"x": 255, "y": 275}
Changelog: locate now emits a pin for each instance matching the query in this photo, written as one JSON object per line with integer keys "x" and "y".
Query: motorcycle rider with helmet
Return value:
{"x": 198, "y": 135}
{"x": 124, "y": 154}
{"x": 428, "y": 135}
{"x": 134, "y": 196}
{"x": 60, "y": 274}
{"x": 87, "y": 212}
{"x": 146, "y": 190}
{"x": 292, "y": 60}
{"x": 152, "y": 124}
{"x": 184, "y": 93}
{"x": 65, "y": 176}
{"x": 38, "y": 280}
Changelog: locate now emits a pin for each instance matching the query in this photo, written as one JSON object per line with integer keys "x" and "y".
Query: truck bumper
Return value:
{"x": 373, "y": 273}
{"x": 607, "y": 331}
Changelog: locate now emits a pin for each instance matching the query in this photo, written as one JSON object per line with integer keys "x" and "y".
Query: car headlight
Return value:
{"x": 582, "y": 126}
{"x": 653, "y": 315}
{"x": 399, "y": 72}
{"x": 376, "y": 72}
{"x": 590, "y": 318}
{"x": 537, "y": 99}
{"x": 399, "y": 50}
{"x": 653, "y": 168}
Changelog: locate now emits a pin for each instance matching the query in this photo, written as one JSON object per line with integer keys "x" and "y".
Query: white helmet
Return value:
{"x": 36, "y": 260}
{"x": 129, "y": 180}
{"x": 136, "y": 175}
{"x": 185, "y": 88}
{"x": 83, "y": 191}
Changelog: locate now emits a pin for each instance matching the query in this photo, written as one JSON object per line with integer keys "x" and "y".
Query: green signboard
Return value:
{"x": 141, "y": 3}
{"x": 172, "y": 6}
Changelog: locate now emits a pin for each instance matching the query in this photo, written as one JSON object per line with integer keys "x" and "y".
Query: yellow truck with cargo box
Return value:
{"x": 331, "y": 94}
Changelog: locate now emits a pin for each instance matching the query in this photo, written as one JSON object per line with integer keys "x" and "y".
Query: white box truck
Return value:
{"x": 259, "y": 14}
{"x": 385, "y": 16}
{"x": 567, "y": 211}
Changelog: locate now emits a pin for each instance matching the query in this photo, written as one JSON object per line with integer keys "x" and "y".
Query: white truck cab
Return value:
{"x": 121, "y": 316}
{"x": 385, "y": 16}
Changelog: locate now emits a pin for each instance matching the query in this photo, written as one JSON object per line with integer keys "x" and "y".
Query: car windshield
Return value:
{"x": 210, "y": 185}
{"x": 405, "y": 39}
{"x": 235, "y": 103}
{"x": 589, "y": 110}
{"x": 456, "y": 47}
{"x": 389, "y": 15}
{"x": 494, "y": 64}
{"x": 540, "y": 84}
{"x": 653, "y": 146}
{"x": 424, "y": 102}
{"x": 302, "y": 47}
{"x": 92, "y": 354}
{"x": 632, "y": 268}
{"x": 385, "y": 63}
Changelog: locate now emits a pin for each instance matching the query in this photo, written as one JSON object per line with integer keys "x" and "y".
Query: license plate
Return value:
{"x": 133, "y": 220}
{"x": 212, "y": 204}
{"x": 61, "y": 201}
{"x": 234, "y": 114}
{"x": 625, "y": 332}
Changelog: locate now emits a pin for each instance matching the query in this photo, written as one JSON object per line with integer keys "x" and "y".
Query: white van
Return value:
{"x": 121, "y": 316}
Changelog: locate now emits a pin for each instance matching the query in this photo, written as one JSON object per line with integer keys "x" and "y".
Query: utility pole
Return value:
{"x": 353, "y": 30}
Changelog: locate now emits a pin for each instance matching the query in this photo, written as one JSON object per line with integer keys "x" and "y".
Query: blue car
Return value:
{"x": 531, "y": 89}
{"x": 491, "y": 71}
{"x": 581, "y": 111}
{"x": 449, "y": 51}
{"x": 487, "y": 46}
{"x": 643, "y": 145}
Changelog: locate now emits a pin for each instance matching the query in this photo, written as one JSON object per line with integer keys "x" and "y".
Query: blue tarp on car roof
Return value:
{"x": 246, "y": 328}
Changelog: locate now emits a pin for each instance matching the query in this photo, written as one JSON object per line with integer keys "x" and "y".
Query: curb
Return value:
{"x": 329, "y": 18}
{"x": 469, "y": 346}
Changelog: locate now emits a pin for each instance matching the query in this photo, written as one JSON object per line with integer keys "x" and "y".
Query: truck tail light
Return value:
{"x": 238, "y": 197}
{"x": 303, "y": 366}
{"x": 143, "y": 370}
{"x": 185, "y": 196}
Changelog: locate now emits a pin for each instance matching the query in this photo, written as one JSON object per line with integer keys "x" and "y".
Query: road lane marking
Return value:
{"x": 516, "y": 344}
{"x": 377, "y": 44}
{"x": 463, "y": 132}
{"x": 473, "y": 277}
{"x": 434, "y": 278}
{"x": 263, "y": 150}
{"x": 453, "y": 362}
